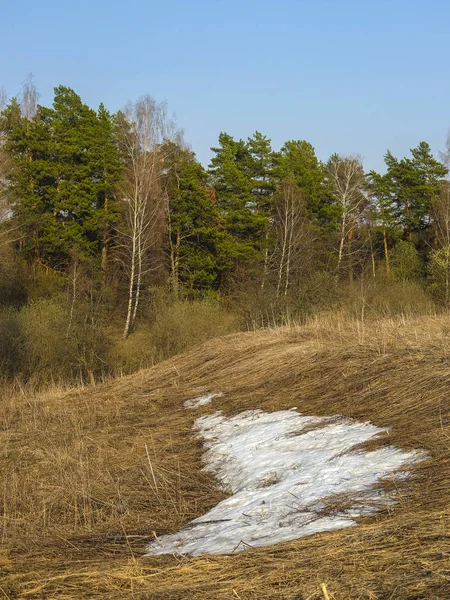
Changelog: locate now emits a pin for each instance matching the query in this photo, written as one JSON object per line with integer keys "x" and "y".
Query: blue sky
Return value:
{"x": 349, "y": 76}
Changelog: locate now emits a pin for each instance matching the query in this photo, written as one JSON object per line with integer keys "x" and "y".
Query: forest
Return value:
{"x": 119, "y": 249}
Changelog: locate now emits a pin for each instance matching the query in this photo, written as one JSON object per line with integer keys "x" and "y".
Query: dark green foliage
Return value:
{"x": 11, "y": 117}
{"x": 406, "y": 263}
{"x": 298, "y": 158}
{"x": 261, "y": 171}
{"x": 413, "y": 184}
{"x": 66, "y": 169}
{"x": 403, "y": 201}
{"x": 386, "y": 227}
{"x": 234, "y": 185}
{"x": 267, "y": 233}
{"x": 195, "y": 236}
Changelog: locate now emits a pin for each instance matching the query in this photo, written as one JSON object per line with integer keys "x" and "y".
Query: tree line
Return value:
{"x": 110, "y": 210}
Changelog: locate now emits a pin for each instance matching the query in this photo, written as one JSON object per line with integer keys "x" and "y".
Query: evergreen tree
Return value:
{"x": 415, "y": 183}
{"x": 194, "y": 234}
{"x": 383, "y": 213}
{"x": 10, "y": 117}
{"x": 298, "y": 158}
{"x": 260, "y": 169}
{"x": 66, "y": 167}
{"x": 107, "y": 164}
{"x": 233, "y": 183}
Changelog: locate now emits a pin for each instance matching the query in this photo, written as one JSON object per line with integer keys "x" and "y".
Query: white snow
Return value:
{"x": 202, "y": 400}
{"x": 284, "y": 470}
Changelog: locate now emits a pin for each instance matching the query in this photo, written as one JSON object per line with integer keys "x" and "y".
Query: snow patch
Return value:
{"x": 202, "y": 400}
{"x": 288, "y": 474}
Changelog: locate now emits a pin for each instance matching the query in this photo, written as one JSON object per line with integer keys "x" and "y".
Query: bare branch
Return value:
{"x": 141, "y": 138}
{"x": 29, "y": 98}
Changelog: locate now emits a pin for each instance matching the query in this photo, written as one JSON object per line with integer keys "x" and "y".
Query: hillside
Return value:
{"x": 91, "y": 476}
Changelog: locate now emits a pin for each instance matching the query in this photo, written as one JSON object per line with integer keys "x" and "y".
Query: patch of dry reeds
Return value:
{"x": 89, "y": 476}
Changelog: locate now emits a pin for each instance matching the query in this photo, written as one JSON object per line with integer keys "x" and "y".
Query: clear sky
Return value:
{"x": 349, "y": 76}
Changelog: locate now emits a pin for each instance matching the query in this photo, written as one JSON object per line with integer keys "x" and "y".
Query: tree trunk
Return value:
{"x": 289, "y": 251}
{"x": 266, "y": 256}
{"x": 350, "y": 266}
{"x": 127, "y": 330}
{"x": 283, "y": 253}
{"x": 137, "y": 293}
{"x": 341, "y": 244}
{"x": 105, "y": 242}
{"x": 386, "y": 252}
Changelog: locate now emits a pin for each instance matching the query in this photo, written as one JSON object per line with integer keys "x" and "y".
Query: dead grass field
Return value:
{"x": 89, "y": 476}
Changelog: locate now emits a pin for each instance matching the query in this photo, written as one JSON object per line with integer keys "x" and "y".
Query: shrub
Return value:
{"x": 405, "y": 262}
{"x": 11, "y": 341}
{"x": 183, "y": 324}
{"x": 258, "y": 307}
{"x": 62, "y": 347}
{"x": 48, "y": 352}
{"x": 439, "y": 274}
{"x": 385, "y": 297}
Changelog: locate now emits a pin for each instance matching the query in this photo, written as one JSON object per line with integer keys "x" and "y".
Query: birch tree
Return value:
{"x": 29, "y": 98}
{"x": 144, "y": 128}
{"x": 346, "y": 175}
{"x": 292, "y": 230}
{"x": 440, "y": 211}
{"x": 439, "y": 258}
{"x": 7, "y": 114}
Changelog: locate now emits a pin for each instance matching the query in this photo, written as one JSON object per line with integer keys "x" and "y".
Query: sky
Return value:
{"x": 349, "y": 76}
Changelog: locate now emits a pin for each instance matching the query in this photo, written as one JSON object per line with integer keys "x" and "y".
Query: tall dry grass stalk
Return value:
{"x": 89, "y": 476}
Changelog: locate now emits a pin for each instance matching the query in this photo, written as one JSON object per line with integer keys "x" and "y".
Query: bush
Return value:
{"x": 439, "y": 274}
{"x": 183, "y": 324}
{"x": 62, "y": 348}
{"x": 385, "y": 297}
{"x": 133, "y": 354}
{"x": 405, "y": 262}
{"x": 12, "y": 285}
{"x": 258, "y": 307}
{"x": 11, "y": 340}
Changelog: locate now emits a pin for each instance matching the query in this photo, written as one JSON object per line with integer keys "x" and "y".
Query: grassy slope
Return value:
{"x": 88, "y": 476}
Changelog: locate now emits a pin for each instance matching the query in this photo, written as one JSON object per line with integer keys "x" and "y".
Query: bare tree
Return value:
{"x": 3, "y": 100}
{"x": 440, "y": 210}
{"x": 292, "y": 232}
{"x": 5, "y": 171}
{"x": 347, "y": 176}
{"x": 29, "y": 97}
{"x": 146, "y": 126}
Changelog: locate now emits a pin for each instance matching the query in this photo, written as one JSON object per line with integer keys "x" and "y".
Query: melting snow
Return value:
{"x": 201, "y": 400}
{"x": 283, "y": 470}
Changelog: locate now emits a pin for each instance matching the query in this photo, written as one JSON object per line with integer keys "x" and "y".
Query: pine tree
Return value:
{"x": 298, "y": 158}
{"x": 233, "y": 183}
{"x": 383, "y": 213}
{"x": 415, "y": 183}
{"x": 260, "y": 169}
{"x": 194, "y": 233}
{"x": 107, "y": 162}
{"x": 66, "y": 166}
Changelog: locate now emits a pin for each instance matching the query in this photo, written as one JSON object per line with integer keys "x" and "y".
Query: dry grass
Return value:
{"x": 89, "y": 476}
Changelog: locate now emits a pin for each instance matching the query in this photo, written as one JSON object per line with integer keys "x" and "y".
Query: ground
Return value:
{"x": 90, "y": 476}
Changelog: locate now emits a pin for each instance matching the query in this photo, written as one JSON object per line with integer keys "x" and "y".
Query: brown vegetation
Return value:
{"x": 89, "y": 476}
